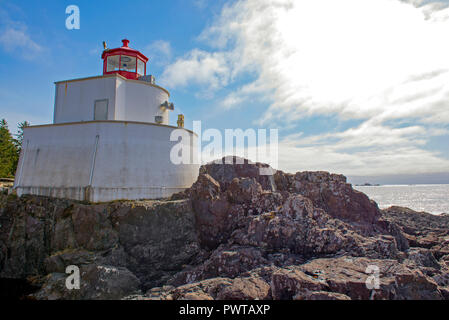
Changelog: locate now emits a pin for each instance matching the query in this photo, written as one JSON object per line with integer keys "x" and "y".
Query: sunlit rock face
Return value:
{"x": 235, "y": 234}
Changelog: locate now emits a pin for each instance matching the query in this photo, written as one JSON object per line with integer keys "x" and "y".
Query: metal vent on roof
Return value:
{"x": 158, "y": 119}
{"x": 151, "y": 79}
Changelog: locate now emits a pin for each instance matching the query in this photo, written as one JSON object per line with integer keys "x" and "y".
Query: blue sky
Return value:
{"x": 28, "y": 72}
{"x": 359, "y": 87}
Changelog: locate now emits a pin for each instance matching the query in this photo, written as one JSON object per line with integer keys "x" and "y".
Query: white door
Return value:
{"x": 101, "y": 110}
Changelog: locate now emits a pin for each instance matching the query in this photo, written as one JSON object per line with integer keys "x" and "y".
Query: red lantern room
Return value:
{"x": 125, "y": 61}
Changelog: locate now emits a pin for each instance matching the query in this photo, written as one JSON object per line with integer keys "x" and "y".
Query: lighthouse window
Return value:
{"x": 140, "y": 67}
{"x": 113, "y": 63}
{"x": 128, "y": 63}
{"x": 101, "y": 109}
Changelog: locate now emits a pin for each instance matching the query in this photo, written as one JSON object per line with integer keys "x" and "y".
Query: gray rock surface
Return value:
{"x": 151, "y": 240}
{"x": 235, "y": 234}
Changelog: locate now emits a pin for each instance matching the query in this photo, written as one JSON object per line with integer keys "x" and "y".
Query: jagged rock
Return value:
{"x": 422, "y": 258}
{"x": 157, "y": 237}
{"x": 58, "y": 262}
{"x": 320, "y": 295}
{"x": 242, "y": 212}
{"x": 152, "y": 239}
{"x": 243, "y": 288}
{"x": 297, "y": 227}
{"x": 422, "y": 229}
{"x": 251, "y": 288}
{"x": 332, "y": 278}
{"x": 289, "y": 283}
{"x": 334, "y": 195}
{"x": 348, "y": 275}
{"x": 228, "y": 168}
{"x": 92, "y": 228}
{"x": 213, "y": 218}
{"x": 244, "y": 190}
{"x": 235, "y": 234}
{"x": 224, "y": 262}
{"x": 97, "y": 282}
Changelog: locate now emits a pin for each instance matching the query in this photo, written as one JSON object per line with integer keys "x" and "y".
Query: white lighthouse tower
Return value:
{"x": 109, "y": 140}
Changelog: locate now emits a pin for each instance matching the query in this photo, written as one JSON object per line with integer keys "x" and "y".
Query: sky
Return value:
{"x": 358, "y": 87}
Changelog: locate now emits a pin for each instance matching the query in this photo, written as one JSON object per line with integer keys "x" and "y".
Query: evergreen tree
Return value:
{"x": 19, "y": 136}
{"x": 8, "y": 151}
{"x": 19, "y": 141}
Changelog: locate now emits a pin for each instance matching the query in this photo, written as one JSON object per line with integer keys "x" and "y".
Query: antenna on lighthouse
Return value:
{"x": 105, "y": 46}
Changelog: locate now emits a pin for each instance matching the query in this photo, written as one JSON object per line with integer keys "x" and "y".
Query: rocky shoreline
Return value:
{"x": 233, "y": 235}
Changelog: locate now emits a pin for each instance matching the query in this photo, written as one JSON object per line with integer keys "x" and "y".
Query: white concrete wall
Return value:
{"x": 128, "y": 100}
{"x": 138, "y": 101}
{"x": 120, "y": 111}
{"x": 132, "y": 161}
{"x": 77, "y": 102}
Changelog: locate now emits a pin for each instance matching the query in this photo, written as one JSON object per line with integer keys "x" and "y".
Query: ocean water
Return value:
{"x": 432, "y": 198}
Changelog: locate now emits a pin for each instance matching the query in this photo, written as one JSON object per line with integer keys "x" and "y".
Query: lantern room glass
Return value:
{"x": 140, "y": 67}
{"x": 113, "y": 63}
{"x": 125, "y": 63}
{"x": 128, "y": 63}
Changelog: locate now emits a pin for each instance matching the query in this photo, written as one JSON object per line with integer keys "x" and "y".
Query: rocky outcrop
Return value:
{"x": 423, "y": 230}
{"x": 145, "y": 241}
{"x": 342, "y": 278}
{"x": 235, "y": 234}
{"x": 334, "y": 195}
{"x": 98, "y": 282}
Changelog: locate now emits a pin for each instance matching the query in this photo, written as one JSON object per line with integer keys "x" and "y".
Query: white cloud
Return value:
{"x": 315, "y": 57}
{"x": 401, "y": 160}
{"x": 160, "y": 51}
{"x": 198, "y": 67}
{"x": 231, "y": 101}
{"x": 17, "y": 40}
{"x": 378, "y": 61}
{"x": 370, "y": 149}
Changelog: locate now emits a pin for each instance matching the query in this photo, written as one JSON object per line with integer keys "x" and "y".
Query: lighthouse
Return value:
{"x": 110, "y": 138}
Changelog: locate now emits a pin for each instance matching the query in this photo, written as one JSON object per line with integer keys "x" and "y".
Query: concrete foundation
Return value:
{"x": 102, "y": 161}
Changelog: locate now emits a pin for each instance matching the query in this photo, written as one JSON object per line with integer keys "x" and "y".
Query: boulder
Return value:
{"x": 334, "y": 195}
{"x": 228, "y": 168}
{"x": 41, "y": 236}
{"x": 97, "y": 282}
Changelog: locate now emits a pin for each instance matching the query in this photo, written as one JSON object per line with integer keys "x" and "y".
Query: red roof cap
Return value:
{"x": 132, "y": 71}
{"x": 125, "y": 49}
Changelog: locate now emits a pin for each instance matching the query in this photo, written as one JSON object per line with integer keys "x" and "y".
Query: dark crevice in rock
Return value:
{"x": 16, "y": 289}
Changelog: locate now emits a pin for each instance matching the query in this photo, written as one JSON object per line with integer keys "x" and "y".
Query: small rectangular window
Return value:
{"x": 101, "y": 110}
